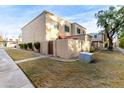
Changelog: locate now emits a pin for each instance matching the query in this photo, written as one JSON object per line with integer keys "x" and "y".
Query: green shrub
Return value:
{"x": 92, "y": 49}
{"x": 25, "y": 46}
{"x": 37, "y": 46}
{"x": 21, "y": 46}
{"x": 121, "y": 44}
{"x": 30, "y": 46}
{"x": 106, "y": 45}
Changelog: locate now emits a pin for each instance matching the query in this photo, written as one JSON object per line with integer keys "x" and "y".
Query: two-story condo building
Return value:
{"x": 58, "y": 37}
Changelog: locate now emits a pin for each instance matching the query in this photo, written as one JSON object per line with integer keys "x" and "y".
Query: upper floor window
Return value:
{"x": 83, "y": 32}
{"x": 54, "y": 25}
{"x": 78, "y": 31}
{"x": 95, "y": 36}
{"x": 66, "y": 28}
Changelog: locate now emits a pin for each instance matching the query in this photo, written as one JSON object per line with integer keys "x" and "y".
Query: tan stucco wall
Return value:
{"x": 40, "y": 29}
{"x": 44, "y": 47}
{"x": 61, "y": 49}
{"x": 70, "y": 48}
{"x": 35, "y": 30}
{"x": 75, "y": 46}
{"x": 52, "y": 34}
{"x": 97, "y": 44}
{"x": 74, "y": 29}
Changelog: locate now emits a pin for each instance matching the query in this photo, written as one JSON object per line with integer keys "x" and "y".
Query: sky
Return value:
{"x": 13, "y": 18}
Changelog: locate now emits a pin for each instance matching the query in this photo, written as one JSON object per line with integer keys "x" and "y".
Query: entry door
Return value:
{"x": 50, "y": 47}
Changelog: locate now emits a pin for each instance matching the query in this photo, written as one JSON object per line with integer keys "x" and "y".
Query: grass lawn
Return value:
{"x": 108, "y": 71}
{"x": 17, "y": 54}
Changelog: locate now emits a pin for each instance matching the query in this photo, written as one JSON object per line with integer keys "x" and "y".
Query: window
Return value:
{"x": 54, "y": 25}
{"x": 78, "y": 31}
{"x": 66, "y": 28}
{"x": 83, "y": 32}
{"x": 95, "y": 36}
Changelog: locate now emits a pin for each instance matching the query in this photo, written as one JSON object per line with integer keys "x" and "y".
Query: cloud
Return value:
{"x": 87, "y": 19}
{"x": 91, "y": 26}
{"x": 13, "y": 18}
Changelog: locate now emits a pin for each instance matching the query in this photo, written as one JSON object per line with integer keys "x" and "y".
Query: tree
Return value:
{"x": 112, "y": 22}
{"x": 121, "y": 44}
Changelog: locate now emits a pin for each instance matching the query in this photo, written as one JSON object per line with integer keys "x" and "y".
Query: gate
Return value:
{"x": 50, "y": 47}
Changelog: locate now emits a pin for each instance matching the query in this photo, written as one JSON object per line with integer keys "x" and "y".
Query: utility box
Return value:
{"x": 86, "y": 57}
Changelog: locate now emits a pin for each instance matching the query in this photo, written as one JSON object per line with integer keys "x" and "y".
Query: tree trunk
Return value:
{"x": 110, "y": 47}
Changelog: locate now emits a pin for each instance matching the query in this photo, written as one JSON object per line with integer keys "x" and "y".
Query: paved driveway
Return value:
{"x": 10, "y": 74}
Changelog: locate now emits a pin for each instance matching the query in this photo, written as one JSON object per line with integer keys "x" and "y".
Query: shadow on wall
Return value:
{"x": 76, "y": 46}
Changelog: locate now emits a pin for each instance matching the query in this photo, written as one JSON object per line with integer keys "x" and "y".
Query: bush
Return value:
{"x": 121, "y": 44}
{"x": 106, "y": 45}
{"x": 21, "y": 46}
{"x": 25, "y": 46}
{"x": 37, "y": 46}
{"x": 30, "y": 46}
{"x": 92, "y": 49}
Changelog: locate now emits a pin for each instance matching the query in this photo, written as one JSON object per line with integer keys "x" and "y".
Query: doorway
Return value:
{"x": 50, "y": 47}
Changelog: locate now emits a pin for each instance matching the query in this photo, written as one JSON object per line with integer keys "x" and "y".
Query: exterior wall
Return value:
{"x": 75, "y": 46}
{"x": 99, "y": 40}
{"x": 51, "y": 33}
{"x": 97, "y": 44}
{"x": 74, "y": 29}
{"x": 35, "y": 30}
{"x": 61, "y": 48}
{"x": 99, "y": 36}
{"x": 70, "y": 48}
{"x": 44, "y": 47}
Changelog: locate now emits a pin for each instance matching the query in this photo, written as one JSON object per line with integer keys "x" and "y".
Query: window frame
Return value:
{"x": 66, "y": 28}
{"x": 95, "y": 36}
{"x": 54, "y": 25}
{"x": 78, "y": 29}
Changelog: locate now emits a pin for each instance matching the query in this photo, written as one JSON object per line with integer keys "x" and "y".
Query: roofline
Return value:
{"x": 97, "y": 41}
{"x": 36, "y": 18}
{"x": 79, "y": 35}
{"x": 79, "y": 25}
{"x": 45, "y": 11}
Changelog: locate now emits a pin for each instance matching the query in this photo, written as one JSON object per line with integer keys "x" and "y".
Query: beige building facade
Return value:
{"x": 98, "y": 40}
{"x": 58, "y": 37}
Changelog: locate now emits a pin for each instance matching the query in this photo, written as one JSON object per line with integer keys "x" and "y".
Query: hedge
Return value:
{"x": 37, "y": 46}
{"x": 21, "y": 46}
{"x": 30, "y": 46}
{"x": 25, "y": 46}
{"x": 121, "y": 44}
{"x": 92, "y": 49}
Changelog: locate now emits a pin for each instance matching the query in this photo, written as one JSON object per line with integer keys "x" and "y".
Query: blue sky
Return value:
{"x": 13, "y": 18}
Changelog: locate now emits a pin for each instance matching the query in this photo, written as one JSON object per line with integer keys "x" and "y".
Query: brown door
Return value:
{"x": 50, "y": 47}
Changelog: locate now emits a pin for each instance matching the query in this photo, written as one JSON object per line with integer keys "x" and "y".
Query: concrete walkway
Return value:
{"x": 121, "y": 50}
{"x": 10, "y": 74}
{"x": 30, "y": 59}
{"x": 63, "y": 60}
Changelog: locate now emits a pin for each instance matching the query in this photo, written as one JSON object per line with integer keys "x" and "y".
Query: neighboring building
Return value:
{"x": 98, "y": 40}
{"x": 1, "y": 41}
{"x": 58, "y": 37}
{"x": 11, "y": 42}
{"x": 115, "y": 41}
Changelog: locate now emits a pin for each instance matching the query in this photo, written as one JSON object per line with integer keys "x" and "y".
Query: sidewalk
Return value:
{"x": 10, "y": 74}
{"x": 121, "y": 50}
{"x": 30, "y": 59}
{"x": 63, "y": 60}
